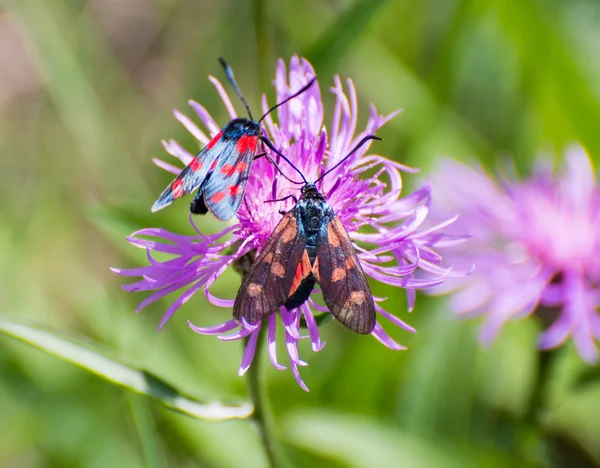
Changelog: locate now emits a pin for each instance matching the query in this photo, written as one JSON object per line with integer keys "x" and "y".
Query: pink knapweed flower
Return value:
{"x": 534, "y": 246}
{"x": 364, "y": 192}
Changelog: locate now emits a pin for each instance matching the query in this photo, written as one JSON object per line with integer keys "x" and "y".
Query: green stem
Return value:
{"x": 262, "y": 31}
{"x": 537, "y": 403}
{"x": 262, "y": 416}
{"x": 146, "y": 430}
{"x": 534, "y": 445}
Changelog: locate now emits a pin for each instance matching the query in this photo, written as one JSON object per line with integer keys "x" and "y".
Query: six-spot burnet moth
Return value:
{"x": 220, "y": 171}
{"x": 309, "y": 245}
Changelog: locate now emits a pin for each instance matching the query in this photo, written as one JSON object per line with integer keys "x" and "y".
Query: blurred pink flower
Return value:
{"x": 400, "y": 249}
{"x": 534, "y": 246}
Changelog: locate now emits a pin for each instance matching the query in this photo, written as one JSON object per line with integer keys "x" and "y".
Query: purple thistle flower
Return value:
{"x": 534, "y": 246}
{"x": 402, "y": 256}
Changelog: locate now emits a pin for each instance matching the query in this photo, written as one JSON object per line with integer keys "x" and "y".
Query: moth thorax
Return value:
{"x": 312, "y": 215}
{"x": 238, "y": 127}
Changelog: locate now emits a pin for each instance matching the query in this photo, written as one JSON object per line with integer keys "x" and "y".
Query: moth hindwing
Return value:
{"x": 309, "y": 245}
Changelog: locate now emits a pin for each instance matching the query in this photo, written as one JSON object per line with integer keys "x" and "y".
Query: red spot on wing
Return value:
{"x": 196, "y": 165}
{"x": 246, "y": 143}
{"x": 218, "y": 197}
{"x": 177, "y": 188}
{"x": 241, "y": 167}
{"x": 227, "y": 170}
{"x": 302, "y": 271}
{"x": 215, "y": 140}
{"x": 233, "y": 190}
{"x": 213, "y": 165}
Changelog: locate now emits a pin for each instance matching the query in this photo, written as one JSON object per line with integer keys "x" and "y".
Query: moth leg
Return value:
{"x": 292, "y": 196}
{"x": 258, "y": 156}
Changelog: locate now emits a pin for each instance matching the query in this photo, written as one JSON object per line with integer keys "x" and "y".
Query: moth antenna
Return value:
{"x": 360, "y": 143}
{"x": 279, "y": 169}
{"x": 272, "y": 148}
{"x": 231, "y": 79}
{"x": 297, "y": 93}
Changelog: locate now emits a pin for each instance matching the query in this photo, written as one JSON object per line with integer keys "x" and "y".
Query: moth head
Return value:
{"x": 236, "y": 128}
{"x": 309, "y": 191}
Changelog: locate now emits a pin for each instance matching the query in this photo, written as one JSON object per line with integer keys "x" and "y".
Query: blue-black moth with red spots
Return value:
{"x": 220, "y": 171}
{"x": 309, "y": 245}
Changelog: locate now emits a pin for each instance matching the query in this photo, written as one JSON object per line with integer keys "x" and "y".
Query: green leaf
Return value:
{"x": 577, "y": 417}
{"x": 358, "y": 441}
{"x": 561, "y": 89}
{"x": 339, "y": 38}
{"x": 136, "y": 380}
{"x": 321, "y": 318}
{"x": 588, "y": 378}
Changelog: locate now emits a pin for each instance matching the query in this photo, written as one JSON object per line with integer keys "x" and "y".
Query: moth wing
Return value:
{"x": 224, "y": 191}
{"x": 193, "y": 174}
{"x": 278, "y": 270}
{"x": 345, "y": 288}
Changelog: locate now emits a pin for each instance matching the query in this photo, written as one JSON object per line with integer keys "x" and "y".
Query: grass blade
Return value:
{"x": 339, "y": 38}
{"x": 108, "y": 368}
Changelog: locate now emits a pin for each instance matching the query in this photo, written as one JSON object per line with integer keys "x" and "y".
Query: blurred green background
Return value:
{"x": 86, "y": 94}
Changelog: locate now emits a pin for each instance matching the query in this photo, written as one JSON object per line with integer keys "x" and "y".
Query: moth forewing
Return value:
{"x": 269, "y": 282}
{"x": 345, "y": 288}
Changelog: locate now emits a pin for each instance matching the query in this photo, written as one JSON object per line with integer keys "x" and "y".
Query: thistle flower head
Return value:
{"x": 364, "y": 192}
{"x": 534, "y": 246}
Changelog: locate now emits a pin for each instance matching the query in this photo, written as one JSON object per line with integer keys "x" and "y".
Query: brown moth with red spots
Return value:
{"x": 220, "y": 171}
{"x": 309, "y": 245}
